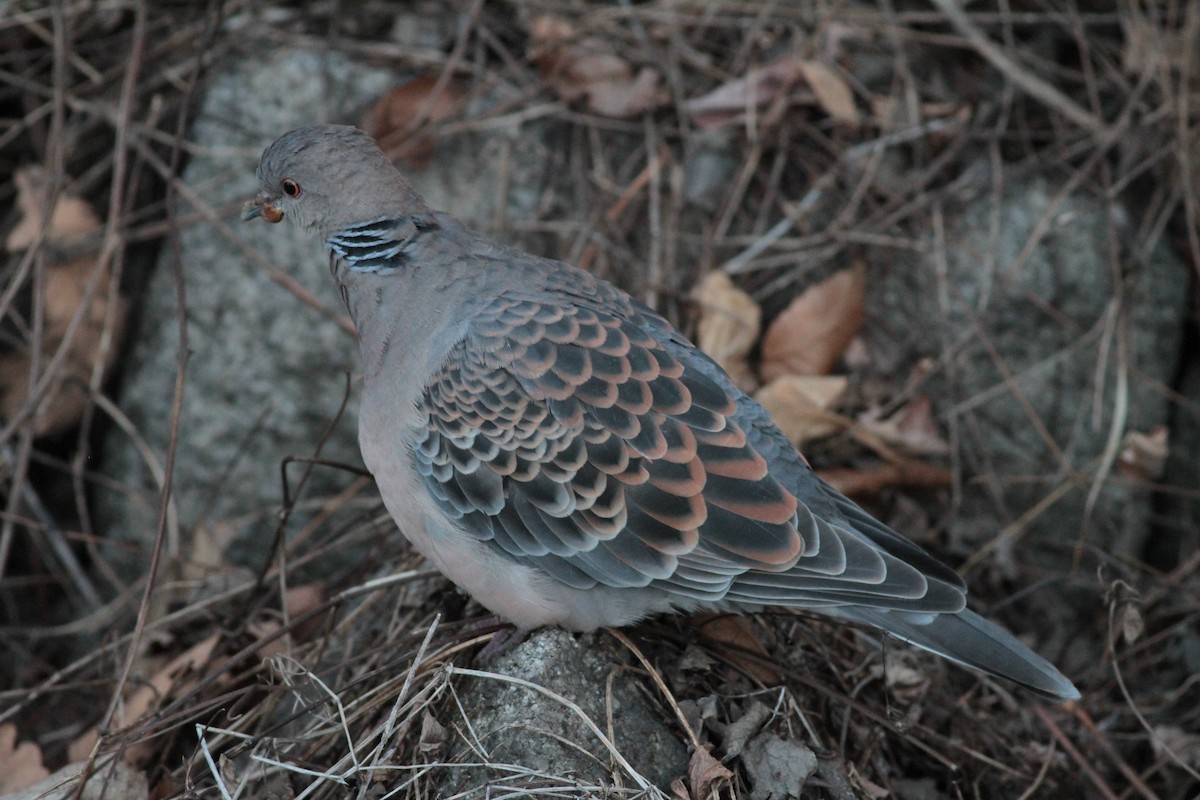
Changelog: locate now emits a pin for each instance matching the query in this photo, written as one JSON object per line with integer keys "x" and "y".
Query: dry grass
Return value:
{"x": 256, "y": 687}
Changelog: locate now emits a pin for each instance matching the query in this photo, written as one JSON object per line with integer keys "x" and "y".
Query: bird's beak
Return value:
{"x": 261, "y": 206}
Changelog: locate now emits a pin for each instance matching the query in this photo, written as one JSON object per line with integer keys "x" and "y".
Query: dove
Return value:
{"x": 567, "y": 457}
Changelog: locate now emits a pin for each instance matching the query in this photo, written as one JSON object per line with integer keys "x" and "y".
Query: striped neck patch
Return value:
{"x": 377, "y": 245}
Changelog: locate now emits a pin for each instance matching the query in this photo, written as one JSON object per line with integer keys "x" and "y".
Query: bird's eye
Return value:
{"x": 291, "y": 188}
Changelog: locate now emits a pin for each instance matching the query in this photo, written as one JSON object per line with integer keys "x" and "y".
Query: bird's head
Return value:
{"x": 326, "y": 178}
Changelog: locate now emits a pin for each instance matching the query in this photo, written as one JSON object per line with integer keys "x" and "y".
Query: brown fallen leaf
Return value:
{"x": 176, "y": 677}
{"x": 706, "y": 775}
{"x": 433, "y": 735}
{"x": 207, "y": 546}
{"x": 867, "y": 788}
{"x": 765, "y": 92}
{"x": 736, "y": 640}
{"x": 105, "y": 781}
{"x": 800, "y": 405}
{"x": 70, "y": 218}
{"x": 399, "y": 120}
{"x": 1143, "y": 456}
{"x": 911, "y": 429}
{"x": 729, "y": 325}
{"x": 183, "y": 672}
{"x": 588, "y": 68}
{"x": 892, "y": 113}
{"x": 300, "y": 600}
{"x": 811, "y": 334}
{"x": 832, "y": 92}
{"x": 96, "y": 341}
{"x": 20, "y": 762}
{"x": 759, "y": 90}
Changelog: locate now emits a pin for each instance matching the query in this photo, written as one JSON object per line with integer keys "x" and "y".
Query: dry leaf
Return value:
{"x": 757, "y": 90}
{"x": 867, "y": 788}
{"x": 706, "y": 775}
{"x": 766, "y": 91}
{"x": 912, "y": 429}
{"x": 433, "y": 734}
{"x": 736, "y": 640}
{"x": 833, "y": 93}
{"x": 729, "y": 325}
{"x": 398, "y": 118}
{"x": 1143, "y": 456}
{"x": 300, "y": 600}
{"x": 20, "y": 763}
{"x": 207, "y": 545}
{"x": 800, "y": 405}
{"x": 589, "y": 68}
{"x": 106, "y": 781}
{"x": 739, "y": 731}
{"x": 71, "y": 217}
{"x": 780, "y": 768}
{"x": 626, "y": 97}
{"x": 96, "y": 341}
{"x": 1131, "y": 622}
{"x": 892, "y": 113}
{"x": 183, "y": 671}
{"x": 906, "y": 681}
{"x": 811, "y": 334}
{"x": 177, "y": 676}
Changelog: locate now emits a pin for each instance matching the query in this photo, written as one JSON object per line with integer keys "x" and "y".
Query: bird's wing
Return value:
{"x": 581, "y": 435}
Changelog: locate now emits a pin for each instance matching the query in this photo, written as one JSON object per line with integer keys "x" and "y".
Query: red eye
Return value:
{"x": 291, "y": 188}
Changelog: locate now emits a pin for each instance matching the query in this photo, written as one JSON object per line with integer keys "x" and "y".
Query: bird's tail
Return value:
{"x": 968, "y": 639}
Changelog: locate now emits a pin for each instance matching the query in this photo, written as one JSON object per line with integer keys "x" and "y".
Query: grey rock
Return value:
{"x": 1038, "y": 417}
{"x": 266, "y": 373}
{"x": 549, "y": 741}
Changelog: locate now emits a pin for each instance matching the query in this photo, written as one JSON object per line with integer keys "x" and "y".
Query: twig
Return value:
{"x": 1033, "y": 85}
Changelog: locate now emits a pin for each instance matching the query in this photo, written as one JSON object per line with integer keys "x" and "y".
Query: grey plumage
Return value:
{"x": 567, "y": 457}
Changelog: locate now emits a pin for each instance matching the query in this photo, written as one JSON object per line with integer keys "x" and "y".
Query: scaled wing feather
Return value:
{"x": 577, "y": 433}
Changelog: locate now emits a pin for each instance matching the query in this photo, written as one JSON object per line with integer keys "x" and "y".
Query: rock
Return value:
{"x": 519, "y": 726}
{"x": 1028, "y": 374}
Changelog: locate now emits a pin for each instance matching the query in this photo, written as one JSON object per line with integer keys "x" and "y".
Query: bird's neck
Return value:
{"x": 378, "y": 245}
{"x": 400, "y": 277}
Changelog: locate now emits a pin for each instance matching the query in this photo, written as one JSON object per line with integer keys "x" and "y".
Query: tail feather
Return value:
{"x": 970, "y": 640}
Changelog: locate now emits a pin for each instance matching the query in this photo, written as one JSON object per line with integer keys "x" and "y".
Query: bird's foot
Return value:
{"x": 504, "y": 639}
